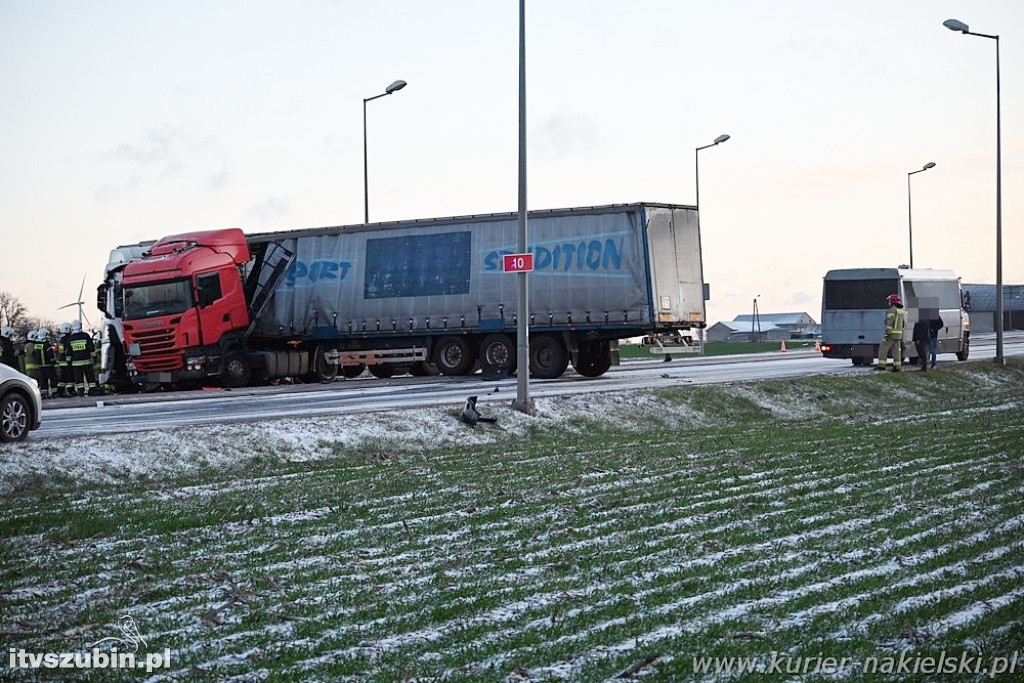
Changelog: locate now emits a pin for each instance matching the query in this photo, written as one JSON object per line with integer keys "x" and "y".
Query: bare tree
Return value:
{"x": 12, "y": 311}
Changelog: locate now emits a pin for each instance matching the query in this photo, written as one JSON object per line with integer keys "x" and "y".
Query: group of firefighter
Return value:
{"x": 63, "y": 366}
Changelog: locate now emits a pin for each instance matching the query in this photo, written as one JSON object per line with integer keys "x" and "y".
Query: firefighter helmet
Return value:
{"x": 6, "y": 332}
{"x": 894, "y": 300}
{"x": 76, "y": 326}
{"x": 31, "y": 336}
{"x": 65, "y": 328}
{"x": 42, "y": 334}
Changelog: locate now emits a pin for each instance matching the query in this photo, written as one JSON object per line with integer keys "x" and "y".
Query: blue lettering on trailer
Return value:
{"x": 302, "y": 274}
{"x": 593, "y": 256}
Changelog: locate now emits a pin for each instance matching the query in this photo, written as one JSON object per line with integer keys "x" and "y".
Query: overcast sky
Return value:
{"x": 130, "y": 120}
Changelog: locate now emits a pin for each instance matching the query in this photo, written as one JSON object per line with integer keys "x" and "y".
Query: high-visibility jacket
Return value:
{"x": 31, "y": 356}
{"x": 895, "y": 321}
{"x": 79, "y": 349}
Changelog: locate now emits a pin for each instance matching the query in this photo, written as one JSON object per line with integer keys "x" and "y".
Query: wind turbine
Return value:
{"x": 79, "y": 303}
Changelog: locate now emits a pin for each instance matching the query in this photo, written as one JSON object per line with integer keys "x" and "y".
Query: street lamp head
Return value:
{"x": 954, "y": 25}
{"x": 721, "y": 138}
{"x": 930, "y": 164}
{"x": 397, "y": 85}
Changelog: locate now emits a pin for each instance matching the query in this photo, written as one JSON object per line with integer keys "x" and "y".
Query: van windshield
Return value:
{"x": 859, "y": 294}
{"x": 161, "y": 298}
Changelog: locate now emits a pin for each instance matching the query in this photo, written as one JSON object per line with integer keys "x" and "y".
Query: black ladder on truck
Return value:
{"x": 266, "y": 274}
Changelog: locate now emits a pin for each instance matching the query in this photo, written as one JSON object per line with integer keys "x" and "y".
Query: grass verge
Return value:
{"x": 859, "y": 518}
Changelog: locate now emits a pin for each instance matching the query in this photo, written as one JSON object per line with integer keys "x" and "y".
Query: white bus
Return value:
{"x": 853, "y": 306}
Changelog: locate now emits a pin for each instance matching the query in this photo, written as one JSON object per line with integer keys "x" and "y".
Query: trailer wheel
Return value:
{"x": 424, "y": 369}
{"x": 962, "y": 355}
{"x": 454, "y": 356}
{"x": 237, "y": 372}
{"x": 382, "y": 371}
{"x": 322, "y": 370}
{"x": 352, "y": 371}
{"x": 498, "y": 351}
{"x": 548, "y": 357}
{"x": 594, "y": 359}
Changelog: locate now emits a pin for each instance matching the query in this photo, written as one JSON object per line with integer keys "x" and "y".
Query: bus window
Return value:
{"x": 858, "y": 294}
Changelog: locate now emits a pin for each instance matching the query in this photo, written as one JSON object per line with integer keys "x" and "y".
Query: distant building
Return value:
{"x": 799, "y": 325}
{"x": 983, "y": 307}
{"x": 741, "y": 331}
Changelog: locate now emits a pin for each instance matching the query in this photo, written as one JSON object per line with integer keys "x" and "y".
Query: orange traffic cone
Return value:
{"x": 817, "y": 346}
{"x": 783, "y": 349}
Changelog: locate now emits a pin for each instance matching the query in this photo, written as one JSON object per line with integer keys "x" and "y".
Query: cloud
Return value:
{"x": 563, "y": 134}
{"x": 162, "y": 154}
{"x": 268, "y": 210}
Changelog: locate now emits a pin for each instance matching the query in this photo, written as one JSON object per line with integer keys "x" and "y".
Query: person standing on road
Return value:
{"x": 8, "y": 356}
{"x": 31, "y": 356}
{"x": 920, "y": 338}
{"x": 935, "y": 324}
{"x": 79, "y": 352}
{"x": 892, "y": 340}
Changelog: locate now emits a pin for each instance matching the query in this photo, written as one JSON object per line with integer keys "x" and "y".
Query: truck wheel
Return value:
{"x": 352, "y": 371}
{"x": 962, "y": 355}
{"x": 453, "y": 356}
{"x": 424, "y": 369}
{"x": 594, "y": 359}
{"x": 15, "y": 417}
{"x": 237, "y": 372}
{"x": 548, "y": 357}
{"x": 382, "y": 371}
{"x": 322, "y": 370}
{"x": 498, "y": 351}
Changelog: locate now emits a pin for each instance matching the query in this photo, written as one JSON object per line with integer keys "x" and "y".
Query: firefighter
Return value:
{"x": 79, "y": 353}
{"x": 47, "y": 364}
{"x": 892, "y": 340}
{"x": 65, "y": 376}
{"x": 31, "y": 355}
{"x": 8, "y": 356}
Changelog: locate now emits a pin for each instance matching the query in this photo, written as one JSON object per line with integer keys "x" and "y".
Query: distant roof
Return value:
{"x": 744, "y": 326}
{"x": 983, "y": 297}
{"x": 777, "y": 318}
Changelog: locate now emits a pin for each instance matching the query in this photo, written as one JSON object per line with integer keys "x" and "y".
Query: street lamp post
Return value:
{"x": 910, "y": 221}
{"x": 394, "y": 87}
{"x": 719, "y": 140}
{"x": 954, "y": 25}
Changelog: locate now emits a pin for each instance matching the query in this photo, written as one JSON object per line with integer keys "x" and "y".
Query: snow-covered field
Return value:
{"x": 608, "y": 534}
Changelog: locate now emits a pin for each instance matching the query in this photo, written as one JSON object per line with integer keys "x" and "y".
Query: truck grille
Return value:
{"x": 154, "y": 345}
{"x": 153, "y": 342}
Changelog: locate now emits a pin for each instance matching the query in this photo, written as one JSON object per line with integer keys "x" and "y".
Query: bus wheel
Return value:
{"x": 962, "y": 355}
{"x": 594, "y": 359}
{"x": 548, "y": 357}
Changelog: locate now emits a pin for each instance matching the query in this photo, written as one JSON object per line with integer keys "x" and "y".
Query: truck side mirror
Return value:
{"x": 965, "y": 300}
{"x": 101, "y": 297}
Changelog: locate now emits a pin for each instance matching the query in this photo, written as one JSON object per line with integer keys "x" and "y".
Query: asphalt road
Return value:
{"x": 136, "y": 413}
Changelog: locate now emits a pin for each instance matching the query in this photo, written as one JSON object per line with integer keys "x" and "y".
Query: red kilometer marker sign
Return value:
{"x": 518, "y": 263}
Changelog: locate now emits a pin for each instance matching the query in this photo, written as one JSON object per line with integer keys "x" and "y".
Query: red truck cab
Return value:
{"x": 185, "y": 304}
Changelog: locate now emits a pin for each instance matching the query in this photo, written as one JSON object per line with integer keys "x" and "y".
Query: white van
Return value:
{"x": 853, "y": 306}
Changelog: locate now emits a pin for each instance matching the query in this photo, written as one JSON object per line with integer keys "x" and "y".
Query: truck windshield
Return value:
{"x": 161, "y": 298}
